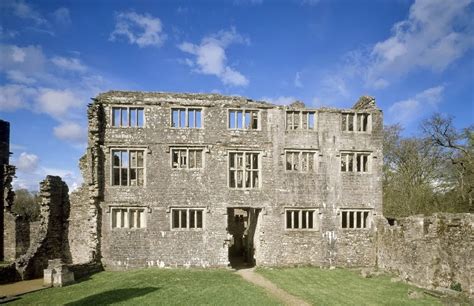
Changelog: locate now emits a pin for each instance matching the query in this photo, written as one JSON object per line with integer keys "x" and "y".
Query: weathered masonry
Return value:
{"x": 7, "y": 172}
{"x": 203, "y": 180}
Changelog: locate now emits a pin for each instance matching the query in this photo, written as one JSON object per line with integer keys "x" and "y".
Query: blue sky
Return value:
{"x": 415, "y": 57}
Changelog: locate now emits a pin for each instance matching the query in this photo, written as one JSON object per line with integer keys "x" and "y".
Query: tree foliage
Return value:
{"x": 430, "y": 173}
{"x": 26, "y": 205}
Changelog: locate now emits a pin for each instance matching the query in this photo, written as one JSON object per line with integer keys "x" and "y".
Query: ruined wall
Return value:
{"x": 327, "y": 190}
{"x": 81, "y": 220}
{"x": 51, "y": 239}
{"x": 435, "y": 251}
{"x": 17, "y": 236}
{"x": 6, "y": 174}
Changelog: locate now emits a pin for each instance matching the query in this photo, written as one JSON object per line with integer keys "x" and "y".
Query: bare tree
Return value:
{"x": 457, "y": 147}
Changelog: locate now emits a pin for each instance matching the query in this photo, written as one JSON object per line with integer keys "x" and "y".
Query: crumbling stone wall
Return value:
{"x": 435, "y": 251}
{"x": 327, "y": 189}
{"x": 51, "y": 240}
{"x": 7, "y": 173}
{"x": 17, "y": 236}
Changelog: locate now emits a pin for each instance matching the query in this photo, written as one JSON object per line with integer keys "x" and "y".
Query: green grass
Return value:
{"x": 155, "y": 287}
{"x": 343, "y": 287}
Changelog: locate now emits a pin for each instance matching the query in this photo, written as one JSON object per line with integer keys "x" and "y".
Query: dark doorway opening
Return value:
{"x": 241, "y": 225}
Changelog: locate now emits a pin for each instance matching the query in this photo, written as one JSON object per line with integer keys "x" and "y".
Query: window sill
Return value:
{"x": 121, "y": 186}
{"x": 126, "y": 127}
{"x": 301, "y": 130}
{"x": 355, "y": 173}
{"x": 185, "y": 128}
{"x": 356, "y": 132}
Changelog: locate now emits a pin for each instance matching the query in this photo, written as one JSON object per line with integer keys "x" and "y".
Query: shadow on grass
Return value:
{"x": 113, "y": 296}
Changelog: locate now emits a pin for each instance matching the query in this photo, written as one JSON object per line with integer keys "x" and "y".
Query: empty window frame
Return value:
{"x": 186, "y": 158}
{"x": 244, "y": 170}
{"x": 243, "y": 119}
{"x": 128, "y": 167}
{"x": 300, "y": 120}
{"x": 354, "y": 162}
{"x": 128, "y": 217}
{"x": 358, "y": 122}
{"x": 355, "y": 219}
{"x": 186, "y": 118}
{"x": 187, "y": 218}
{"x": 300, "y": 161}
{"x": 305, "y": 219}
{"x": 127, "y": 117}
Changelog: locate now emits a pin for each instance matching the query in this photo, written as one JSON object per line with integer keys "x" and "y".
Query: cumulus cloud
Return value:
{"x": 143, "y": 30}
{"x": 19, "y": 77}
{"x": 62, "y": 16}
{"x": 56, "y": 102}
{"x": 71, "y": 132}
{"x": 211, "y": 59}
{"x": 434, "y": 35}
{"x": 408, "y": 110}
{"x": 72, "y": 64}
{"x": 29, "y": 60}
{"x": 27, "y": 162}
{"x": 15, "y": 96}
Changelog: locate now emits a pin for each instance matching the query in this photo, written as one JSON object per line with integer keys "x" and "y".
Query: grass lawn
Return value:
{"x": 342, "y": 287}
{"x": 155, "y": 287}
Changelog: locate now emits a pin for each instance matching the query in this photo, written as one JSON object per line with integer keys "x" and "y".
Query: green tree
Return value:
{"x": 26, "y": 204}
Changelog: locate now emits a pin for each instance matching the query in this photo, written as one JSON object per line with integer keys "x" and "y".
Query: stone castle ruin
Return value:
{"x": 197, "y": 180}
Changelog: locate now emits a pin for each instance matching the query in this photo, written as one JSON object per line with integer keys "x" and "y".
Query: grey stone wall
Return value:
{"x": 6, "y": 174}
{"x": 435, "y": 251}
{"x": 51, "y": 239}
{"x": 17, "y": 236}
{"x": 328, "y": 189}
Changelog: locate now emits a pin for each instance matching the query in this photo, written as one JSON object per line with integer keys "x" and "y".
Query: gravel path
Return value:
{"x": 257, "y": 279}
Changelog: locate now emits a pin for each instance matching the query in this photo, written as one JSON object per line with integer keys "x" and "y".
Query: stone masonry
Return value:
{"x": 168, "y": 178}
{"x": 432, "y": 252}
{"x": 7, "y": 172}
{"x": 51, "y": 239}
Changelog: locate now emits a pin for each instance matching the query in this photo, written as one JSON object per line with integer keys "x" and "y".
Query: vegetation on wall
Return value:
{"x": 430, "y": 173}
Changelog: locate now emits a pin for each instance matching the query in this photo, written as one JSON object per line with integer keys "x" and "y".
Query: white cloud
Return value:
{"x": 23, "y": 10}
{"x": 71, "y": 131}
{"x": 72, "y": 179}
{"x": 62, "y": 16}
{"x": 19, "y": 77}
{"x": 29, "y": 60}
{"x": 297, "y": 81}
{"x": 435, "y": 34}
{"x": 211, "y": 56}
{"x": 335, "y": 84}
{"x": 56, "y": 103}
{"x": 281, "y": 100}
{"x": 143, "y": 30}
{"x": 27, "y": 162}
{"x": 408, "y": 110}
{"x": 14, "y": 96}
{"x": 72, "y": 64}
